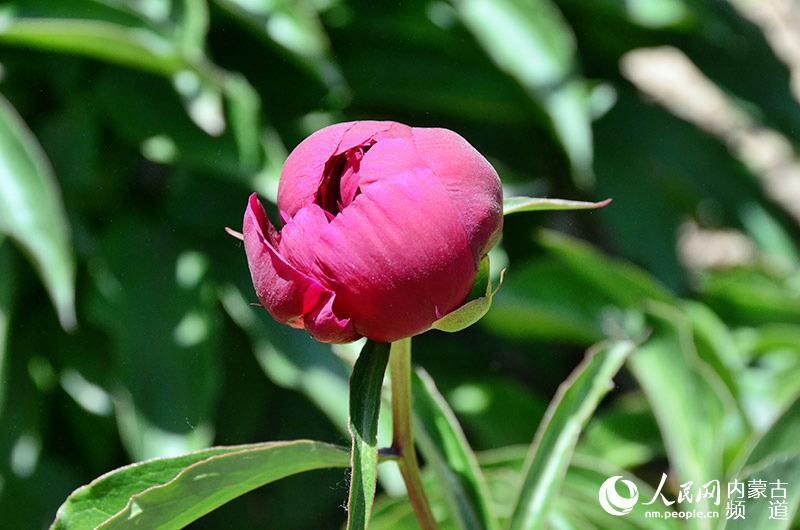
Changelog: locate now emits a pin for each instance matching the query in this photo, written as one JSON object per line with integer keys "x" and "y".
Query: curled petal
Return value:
{"x": 325, "y": 326}
{"x": 290, "y": 296}
{"x": 302, "y": 174}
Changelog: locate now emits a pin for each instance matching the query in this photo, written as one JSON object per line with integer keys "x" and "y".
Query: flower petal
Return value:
{"x": 325, "y": 326}
{"x": 397, "y": 257}
{"x": 302, "y": 174}
{"x": 301, "y": 235}
{"x": 283, "y": 291}
{"x": 470, "y": 180}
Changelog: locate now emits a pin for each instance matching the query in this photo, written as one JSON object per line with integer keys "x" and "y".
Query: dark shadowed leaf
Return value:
{"x": 6, "y": 302}
{"x": 156, "y": 302}
{"x": 365, "y": 405}
{"x": 295, "y": 27}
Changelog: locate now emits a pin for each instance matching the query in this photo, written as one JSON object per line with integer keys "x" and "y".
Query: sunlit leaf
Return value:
{"x": 495, "y": 411}
{"x": 545, "y": 303}
{"x": 170, "y": 493}
{"x": 530, "y": 40}
{"x": 625, "y": 434}
{"x": 292, "y": 359}
{"x": 622, "y": 282}
{"x": 673, "y": 377}
{"x": 175, "y": 49}
{"x": 446, "y": 448}
{"x": 553, "y": 446}
{"x": 751, "y": 296}
{"x": 31, "y": 212}
{"x": 536, "y": 204}
{"x": 775, "y": 457}
{"x": 109, "y": 32}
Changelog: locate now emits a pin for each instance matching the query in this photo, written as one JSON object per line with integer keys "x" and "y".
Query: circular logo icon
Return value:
{"x": 614, "y": 503}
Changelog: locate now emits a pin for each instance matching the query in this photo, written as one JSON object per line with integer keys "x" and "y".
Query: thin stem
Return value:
{"x": 403, "y": 434}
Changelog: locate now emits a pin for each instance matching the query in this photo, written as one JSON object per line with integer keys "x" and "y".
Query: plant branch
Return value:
{"x": 402, "y": 432}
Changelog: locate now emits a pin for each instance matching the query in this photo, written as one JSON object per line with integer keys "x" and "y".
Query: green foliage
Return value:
{"x": 132, "y": 132}
{"x": 31, "y": 212}
{"x": 454, "y": 464}
{"x": 172, "y": 492}
{"x": 477, "y": 304}
{"x": 365, "y": 404}
{"x": 558, "y": 433}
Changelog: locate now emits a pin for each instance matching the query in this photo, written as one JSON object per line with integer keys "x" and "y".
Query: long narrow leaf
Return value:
{"x": 674, "y": 378}
{"x": 531, "y": 41}
{"x": 775, "y": 457}
{"x": 445, "y": 447}
{"x": 31, "y": 212}
{"x": 554, "y": 444}
{"x": 365, "y": 405}
{"x": 538, "y": 204}
{"x": 170, "y": 493}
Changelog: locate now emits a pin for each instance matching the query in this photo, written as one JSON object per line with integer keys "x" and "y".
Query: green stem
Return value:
{"x": 403, "y": 434}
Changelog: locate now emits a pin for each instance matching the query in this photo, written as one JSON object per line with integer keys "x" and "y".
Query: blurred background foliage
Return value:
{"x": 131, "y": 133}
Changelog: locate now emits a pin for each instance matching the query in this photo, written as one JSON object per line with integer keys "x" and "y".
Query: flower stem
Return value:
{"x": 402, "y": 432}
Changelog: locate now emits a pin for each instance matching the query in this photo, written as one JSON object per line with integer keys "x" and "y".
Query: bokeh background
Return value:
{"x": 132, "y": 132}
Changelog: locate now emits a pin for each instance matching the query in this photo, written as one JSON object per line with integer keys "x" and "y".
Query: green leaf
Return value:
{"x": 775, "y": 456}
{"x": 716, "y": 346}
{"x": 553, "y": 446}
{"x": 154, "y": 298}
{"x": 292, "y": 359}
{"x": 295, "y": 27}
{"x": 138, "y": 47}
{"x": 692, "y": 406}
{"x": 495, "y": 411}
{"x": 170, "y": 493}
{"x": 536, "y": 204}
{"x": 781, "y": 438}
{"x": 446, "y": 448}
{"x": 622, "y": 282}
{"x": 31, "y": 212}
{"x": 7, "y": 288}
{"x": 365, "y": 405}
{"x": 625, "y": 434}
{"x": 579, "y": 498}
{"x": 547, "y": 302}
{"x": 751, "y": 296}
{"x": 116, "y": 33}
{"x": 530, "y": 40}
{"x": 474, "y": 308}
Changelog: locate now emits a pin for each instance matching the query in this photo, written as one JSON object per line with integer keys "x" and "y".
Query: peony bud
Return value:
{"x": 385, "y": 225}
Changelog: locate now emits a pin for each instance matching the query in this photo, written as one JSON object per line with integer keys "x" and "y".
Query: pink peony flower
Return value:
{"x": 385, "y": 225}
